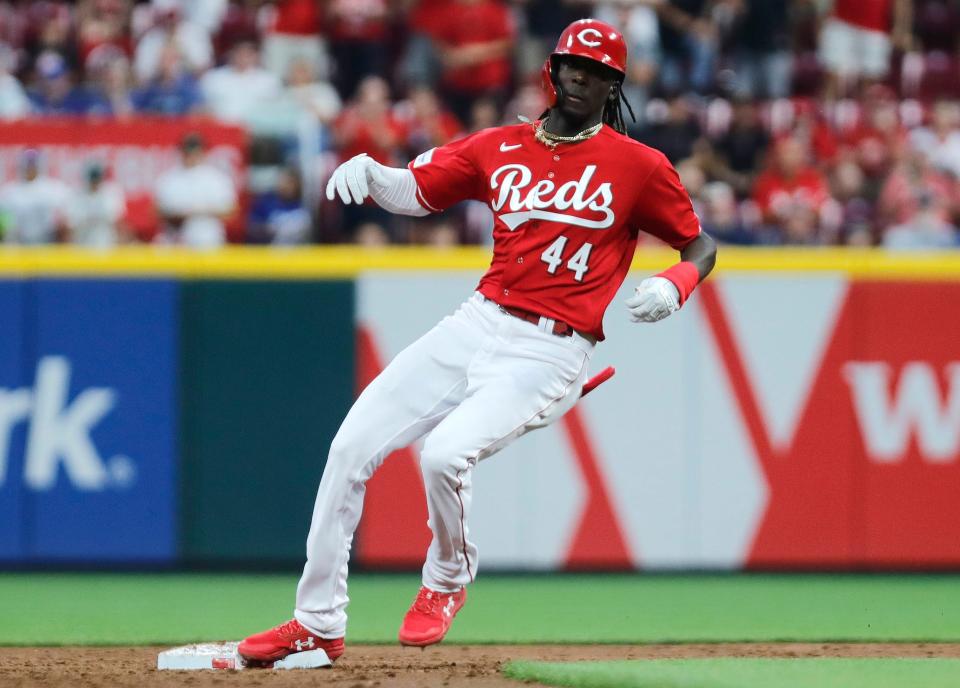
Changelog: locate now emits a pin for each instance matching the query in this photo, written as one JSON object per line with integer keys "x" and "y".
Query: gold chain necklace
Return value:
{"x": 553, "y": 140}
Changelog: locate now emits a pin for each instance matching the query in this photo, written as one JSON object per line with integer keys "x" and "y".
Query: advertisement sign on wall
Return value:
{"x": 14, "y": 402}
{"x": 788, "y": 420}
{"x": 776, "y": 421}
{"x": 93, "y": 410}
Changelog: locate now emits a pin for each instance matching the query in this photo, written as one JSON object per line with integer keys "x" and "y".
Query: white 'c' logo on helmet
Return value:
{"x": 583, "y": 37}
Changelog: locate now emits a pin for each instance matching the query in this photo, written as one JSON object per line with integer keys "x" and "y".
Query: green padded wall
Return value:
{"x": 267, "y": 376}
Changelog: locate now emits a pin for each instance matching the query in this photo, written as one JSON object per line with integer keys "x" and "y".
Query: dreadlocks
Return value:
{"x": 613, "y": 110}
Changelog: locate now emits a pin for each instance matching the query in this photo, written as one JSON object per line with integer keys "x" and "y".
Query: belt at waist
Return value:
{"x": 560, "y": 328}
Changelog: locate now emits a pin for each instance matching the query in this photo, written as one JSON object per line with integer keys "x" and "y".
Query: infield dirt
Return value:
{"x": 370, "y": 666}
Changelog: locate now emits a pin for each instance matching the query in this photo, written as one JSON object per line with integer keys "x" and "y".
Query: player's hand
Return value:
{"x": 351, "y": 180}
{"x": 654, "y": 300}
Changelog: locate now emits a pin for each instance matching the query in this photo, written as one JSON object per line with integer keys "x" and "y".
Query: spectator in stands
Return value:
{"x": 242, "y": 20}
{"x": 279, "y": 216}
{"x": 876, "y": 137}
{"x": 936, "y": 26}
{"x": 195, "y": 199}
{"x": 207, "y": 14}
{"x": 173, "y": 91}
{"x": 911, "y": 180}
{"x": 940, "y": 142}
{"x": 94, "y": 214}
{"x": 802, "y": 227}
{"x": 49, "y": 29}
{"x": 102, "y": 26}
{"x": 720, "y": 215}
{"x": 357, "y": 32}
{"x": 427, "y": 123}
{"x": 14, "y": 103}
{"x": 111, "y": 70}
{"x": 485, "y": 114}
{"x": 33, "y": 205}
{"x": 420, "y": 65}
{"x": 371, "y": 235}
{"x": 170, "y": 27}
{"x": 857, "y": 40}
{"x": 239, "y": 90}
{"x": 299, "y": 118}
{"x": 690, "y": 34}
{"x": 369, "y": 126}
{"x": 13, "y": 26}
{"x": 693, "y": 178}
{"x": 671, "y": 128}
{"x": 931, "y": 69}
{"x": 849, "y": 188}
{"x": 314, "y": 97}
{"x": 792, "y": 195}
{"x": 70, "y": 57}
{"x": 294, "y": 32}
{"x": 440, "y": 232}
{"x": 475, "y": 45}
{"x": 926, "y": 228}
{"x": 55, "y": 92}
{"x": 763, "y": 57}
{"x": 814, "y": 129}
{"x": 738, "y": 152}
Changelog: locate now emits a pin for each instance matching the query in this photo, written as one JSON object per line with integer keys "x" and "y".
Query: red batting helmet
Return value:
{"x": 588, "y": 38}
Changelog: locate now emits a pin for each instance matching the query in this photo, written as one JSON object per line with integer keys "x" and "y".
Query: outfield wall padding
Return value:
{"x": 267, "y": 378}
{"x": 163, "y": 422}
{"x": 172, "y": 408}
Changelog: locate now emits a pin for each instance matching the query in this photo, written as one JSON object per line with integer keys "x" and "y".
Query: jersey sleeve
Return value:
{"x": 448, "y": 174}
{"x": 664, "y": 209}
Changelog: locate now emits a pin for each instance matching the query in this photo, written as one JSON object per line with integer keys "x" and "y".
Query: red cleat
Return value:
{"x": 430, "y": 616}
{"x": 287, "y": 639}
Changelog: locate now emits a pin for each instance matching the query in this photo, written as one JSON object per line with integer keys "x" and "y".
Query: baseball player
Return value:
{"x": 570, "y": 193}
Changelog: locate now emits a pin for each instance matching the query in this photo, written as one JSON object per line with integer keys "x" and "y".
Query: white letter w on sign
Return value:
{"x": 887, "y": 417}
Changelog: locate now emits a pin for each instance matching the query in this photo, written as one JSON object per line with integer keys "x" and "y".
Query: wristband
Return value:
{"x": 684, "y": 276}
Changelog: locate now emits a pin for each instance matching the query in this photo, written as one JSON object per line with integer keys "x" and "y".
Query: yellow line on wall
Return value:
{"x": 332, "y": 262}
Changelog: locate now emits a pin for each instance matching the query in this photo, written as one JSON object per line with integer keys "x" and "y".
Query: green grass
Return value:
{"x": 745, "y": 673}
{"x": 124, "y": 609}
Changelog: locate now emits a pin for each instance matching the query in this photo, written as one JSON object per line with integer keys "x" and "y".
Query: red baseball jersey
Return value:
{"x": 875, "y": 15}
{"x": 566, "y": 219}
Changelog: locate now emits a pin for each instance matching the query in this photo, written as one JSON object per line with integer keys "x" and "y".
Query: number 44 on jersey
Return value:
{"x": 553, "y": 257}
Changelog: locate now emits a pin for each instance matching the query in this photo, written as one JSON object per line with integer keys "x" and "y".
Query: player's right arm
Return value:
{"x": 436, "y": 180}
{"x": 361, "y": 176}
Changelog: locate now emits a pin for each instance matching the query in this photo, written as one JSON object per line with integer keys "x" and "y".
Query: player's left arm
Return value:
{"x": 664, "y": 293}
{"x": 702, "y": 252}
{"x": 668, "y": 214}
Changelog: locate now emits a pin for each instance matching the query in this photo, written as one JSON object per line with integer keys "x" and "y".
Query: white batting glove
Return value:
{"x": 351, "y": 180}
{"x": 655, "y": 299}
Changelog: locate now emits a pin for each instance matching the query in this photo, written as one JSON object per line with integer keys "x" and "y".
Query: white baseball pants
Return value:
{"x": 475, "y": 382}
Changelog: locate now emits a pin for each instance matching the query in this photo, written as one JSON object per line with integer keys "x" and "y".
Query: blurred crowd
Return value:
{"x": 790, "y": 122}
